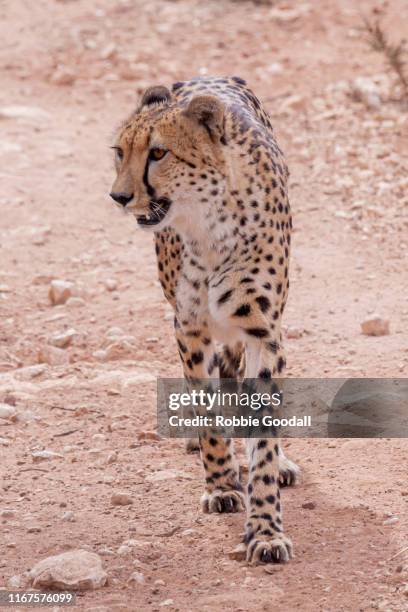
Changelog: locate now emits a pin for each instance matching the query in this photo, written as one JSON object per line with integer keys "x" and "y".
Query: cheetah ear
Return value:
{"x": 207, "y": 111}
{"x": 155, "y": 95}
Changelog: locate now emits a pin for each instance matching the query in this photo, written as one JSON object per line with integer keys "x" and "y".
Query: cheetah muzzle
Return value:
{"x": 158, "y": 209}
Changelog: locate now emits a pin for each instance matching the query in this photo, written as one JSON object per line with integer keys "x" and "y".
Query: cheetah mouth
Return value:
{"x": 158, "y": 209}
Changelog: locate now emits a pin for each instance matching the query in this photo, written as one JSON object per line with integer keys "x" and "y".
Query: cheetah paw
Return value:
{"x": 289, "y": 472}
{"x": 275, "y": 550}
{"x": 223, "y": 501}
{"x": 192, "y": 445}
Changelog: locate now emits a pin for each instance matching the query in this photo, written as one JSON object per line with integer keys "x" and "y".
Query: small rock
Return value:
{"x": 34, "y": 529}
{"x": 112, "y": 457}
{"x": 7, "y": 513}
{"x": 136, "y": 577}
{"x": 62, "y": 76}
{"x": 53, "y": 356}
{"x": 148, "y": 435}
{"x": 30, "y": 372}
{"x": 391, "y": 521}
{"x": 121, "y": 499}
{"x": 45, "y": 455}
{"x": 111, "y": 284}
{"x": 75, "y": 302}
{"x": 238, "y": 553}
{"x": 60, "y": 291}
{"x": 7, "y": 412}
{"x": 166, "y": 602}
{"x": 366, "y": 91}
{"x": 124, "y": 550}
{"x": 24, "y": 112}
{"x": 108, "y": 52}
{"x": 68, "y": 516}
{"x": 76, "y": 570}
{"x": 309, "y": 505}
{"x": 63, "y": 339}
{"x": 159, "y": 582}
{"x": 294, "y": 333}
{"x": 375, "y": 326}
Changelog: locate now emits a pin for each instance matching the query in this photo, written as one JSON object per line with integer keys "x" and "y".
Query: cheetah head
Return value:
{"x": 169, "y": 160}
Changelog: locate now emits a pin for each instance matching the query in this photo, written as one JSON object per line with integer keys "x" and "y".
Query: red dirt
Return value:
{"x": 349, "y": 198}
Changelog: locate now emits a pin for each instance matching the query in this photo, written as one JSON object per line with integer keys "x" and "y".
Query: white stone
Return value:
{"x": 8, "y": 412}
{"x": 24, "y": 112}
{"x": 45, "y": 455}
{"x": 76, "y": 570}
{"x": 64, "y": 338}
{"x": 137, "y": 577}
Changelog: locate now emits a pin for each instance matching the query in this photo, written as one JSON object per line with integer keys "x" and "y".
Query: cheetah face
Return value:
{"x": 169, "y": 161}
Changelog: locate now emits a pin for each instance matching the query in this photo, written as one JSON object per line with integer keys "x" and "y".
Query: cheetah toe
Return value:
{"x": 278, "y": 549}
{"x": 223, "y": 501}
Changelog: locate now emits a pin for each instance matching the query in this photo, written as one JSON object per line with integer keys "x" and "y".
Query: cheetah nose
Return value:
{"x": 121, "y": 197}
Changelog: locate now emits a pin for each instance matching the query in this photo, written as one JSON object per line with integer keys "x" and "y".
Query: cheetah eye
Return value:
{"x": 156, "y": 153}
{"x": 119, "y": 152}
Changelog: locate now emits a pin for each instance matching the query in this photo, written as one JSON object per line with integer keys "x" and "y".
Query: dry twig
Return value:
{"x": 393, "y": 54}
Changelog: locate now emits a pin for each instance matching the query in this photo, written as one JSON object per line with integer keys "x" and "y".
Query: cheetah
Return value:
{"x": 199, "y": 167}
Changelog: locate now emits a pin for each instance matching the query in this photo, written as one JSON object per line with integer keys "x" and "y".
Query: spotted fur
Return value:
{"x": 200, "y": 167}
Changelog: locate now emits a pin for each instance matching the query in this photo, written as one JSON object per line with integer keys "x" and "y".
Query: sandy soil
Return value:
{"x": 83, "y": 64}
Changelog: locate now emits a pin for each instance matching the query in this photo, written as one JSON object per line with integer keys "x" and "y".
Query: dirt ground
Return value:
{"x": 79, "y": 66}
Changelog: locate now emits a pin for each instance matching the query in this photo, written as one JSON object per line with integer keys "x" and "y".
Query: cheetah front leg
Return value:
{"x": 223, "y": 490}
{"x": 264, "y": 535}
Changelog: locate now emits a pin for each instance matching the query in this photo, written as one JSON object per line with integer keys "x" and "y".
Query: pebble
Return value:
{"x": 375, "y": 326}
{"x": 53, "y": 356}
{"x": 60, "y": 291}
{"x": 112, "y": 457}
{"x": 391, "y": 521}
{"x": 75, "y": 570}
{"x": 45, "y": 455}
{"x": 166, "y": 602}
{"x": 68, "y": 516}
{"x": 30, "y": 372}
{"x": 63, "y": 76}
{"x": 148, "y": 435}
{"x": 309, "y": 505}
{"x": 7, "y": 412}
{"x": 24, "y": 112}
{"x": 75, "y": 302}
{"x": 137, "y": 577}
{"x": 7, "y": 513}
{"x": 63, "y": 339}
{"x": 111, "y": 284}
{"x": 121, "y": 499}
{"x": 294, "y": 333}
